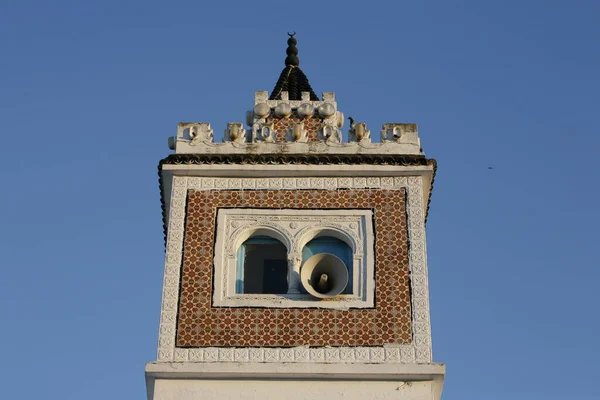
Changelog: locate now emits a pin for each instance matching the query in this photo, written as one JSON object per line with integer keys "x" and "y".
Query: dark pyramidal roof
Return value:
{"x": 292, "y": 79}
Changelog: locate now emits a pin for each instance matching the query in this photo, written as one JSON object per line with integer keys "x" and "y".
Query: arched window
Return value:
{"x": 262, "y": 266}
{"x": 337, "y": 247}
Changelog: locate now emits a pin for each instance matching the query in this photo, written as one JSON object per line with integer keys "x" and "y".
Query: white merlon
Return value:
{"x": 235, "y": 133}
{"x": 400, "y": 133}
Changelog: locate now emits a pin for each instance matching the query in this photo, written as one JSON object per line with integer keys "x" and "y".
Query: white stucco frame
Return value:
{"x": 419, "y": 351}
{"x": 294, "y": 228}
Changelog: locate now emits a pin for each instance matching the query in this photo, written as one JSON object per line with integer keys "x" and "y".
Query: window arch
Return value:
{"x": 268, "y": 231}
{"x": 262, "y": 266}
{"x": 332, "y": 245}
{"x": 328, "y": 231}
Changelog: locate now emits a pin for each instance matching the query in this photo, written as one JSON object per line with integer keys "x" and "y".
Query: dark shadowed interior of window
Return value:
{"x": 262, "y": 266}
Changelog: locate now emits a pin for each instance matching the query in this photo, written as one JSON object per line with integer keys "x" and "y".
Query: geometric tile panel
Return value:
{"x": 389, "y": 322}
{"x": 282, "y": 125}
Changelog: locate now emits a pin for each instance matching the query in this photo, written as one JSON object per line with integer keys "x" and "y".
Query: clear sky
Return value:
{"x": 90, "y": 91}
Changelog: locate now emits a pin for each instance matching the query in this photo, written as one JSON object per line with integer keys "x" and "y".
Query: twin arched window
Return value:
{"x": 262, "y": 263}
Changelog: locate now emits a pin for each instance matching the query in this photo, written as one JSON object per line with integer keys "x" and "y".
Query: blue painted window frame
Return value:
{"x": 241, "y": 255}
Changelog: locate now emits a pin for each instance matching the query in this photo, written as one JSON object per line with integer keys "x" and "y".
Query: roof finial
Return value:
{"x": 292, "y": 51}
{"x": 292, "y": 79}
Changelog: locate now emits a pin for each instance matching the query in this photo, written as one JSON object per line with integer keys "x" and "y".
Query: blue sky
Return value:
{"x": 90, "y": 91}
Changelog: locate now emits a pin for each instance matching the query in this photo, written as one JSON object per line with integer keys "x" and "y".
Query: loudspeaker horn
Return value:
{"x": 324, "y": 275}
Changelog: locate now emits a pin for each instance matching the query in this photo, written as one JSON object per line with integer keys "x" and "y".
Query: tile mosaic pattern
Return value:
{"x": 200, "y": 324}
{"x": 282, "y": 125}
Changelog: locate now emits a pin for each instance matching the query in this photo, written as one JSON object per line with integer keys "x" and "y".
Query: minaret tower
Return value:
{"x": 295, "y": 262}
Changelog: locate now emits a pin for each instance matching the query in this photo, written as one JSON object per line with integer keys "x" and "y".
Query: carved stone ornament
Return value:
{"x": 339, "y": 117}
{"x": 297, "y": 133}
{"x": 201, "y": 132}
{"x": 235, "y": 132}
{"x": 326, "y": 110}
{"x": 261, "y": 110}
{"x": 359, "y": 133}
{"x": 264, "y": 132}
{"x": 331, "y": 133}
{"x": 400, "y": 133}
{"x": 306, "y": 110}
{"x": 283, "y": 110}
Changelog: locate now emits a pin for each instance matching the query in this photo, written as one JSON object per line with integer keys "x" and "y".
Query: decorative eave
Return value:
{"x": 316, "y": 159}
{"x": 199, "y": 160}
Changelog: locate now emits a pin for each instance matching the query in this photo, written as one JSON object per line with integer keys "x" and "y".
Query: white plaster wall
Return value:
{"x": 291, "y": 390}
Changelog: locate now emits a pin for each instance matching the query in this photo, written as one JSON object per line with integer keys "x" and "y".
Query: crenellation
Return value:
{"x": 330, "y": 133}
{"x": 298, "y": 125}
{"x": 201, "y": 131}
{"x": 261, "y": 96}
{"x": 400, "y": 133}
{"x": 359, "y": 133}
{"x": 235, "y": 132}
{"x": 328, "y": 96}
{"x": 191, "y": 134}
{"x": 264, "y": 132}
{"x": 297, "y": 133}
